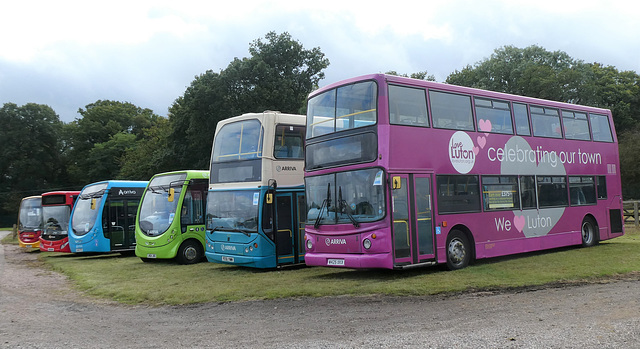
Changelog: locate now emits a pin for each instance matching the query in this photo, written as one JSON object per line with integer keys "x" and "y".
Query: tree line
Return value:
{"x": 118, "y": 140}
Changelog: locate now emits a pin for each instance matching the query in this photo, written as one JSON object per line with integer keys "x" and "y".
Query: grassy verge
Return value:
{"x": 127, "y": 279}
{"x": 9, "y": 240}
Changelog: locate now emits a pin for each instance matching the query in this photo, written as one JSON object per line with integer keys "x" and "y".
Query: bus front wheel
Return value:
{"x": 589, "y": 232}
{"x": 190, "y": 252}
{"x": 458, "y": 250}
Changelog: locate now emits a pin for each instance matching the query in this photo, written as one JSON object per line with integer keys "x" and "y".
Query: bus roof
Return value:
{"x": 459, "y": 89}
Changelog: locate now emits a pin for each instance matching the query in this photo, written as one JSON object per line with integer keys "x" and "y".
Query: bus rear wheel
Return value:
{"x": 458, "y": 250}
{"x": 190, "y": 252}
{"x": 589, "y": 232}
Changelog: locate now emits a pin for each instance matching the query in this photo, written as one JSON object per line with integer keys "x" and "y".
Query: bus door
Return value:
{"x": 413, "y": 239}
{"x": 288, "y": 231}
{"x": 121, "y": 222}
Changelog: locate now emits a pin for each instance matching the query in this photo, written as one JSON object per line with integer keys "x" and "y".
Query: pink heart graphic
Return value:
{"x": 482, "y": 141}
{"x": 518, "y": 222}
{"x": 476, "y": 150}
{"x": 484, "y": 125}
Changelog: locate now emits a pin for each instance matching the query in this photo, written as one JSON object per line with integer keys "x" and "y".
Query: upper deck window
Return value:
{"x": 546, "y": 122}
{"x": 451, "y": 111}
{"x": 343, "y": 108}
{"x": 576, "y": 125}
{"x": 493, "y": 116}
{"x": 238, "y": 141}
{"x": 289, "y": 142}
{"x": 600, "y": 128}
{"x": 521, "y": 115}
{"x": 407, "y": 106}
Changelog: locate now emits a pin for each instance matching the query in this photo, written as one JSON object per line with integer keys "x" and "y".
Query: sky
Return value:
{"x": 68, "y": 54}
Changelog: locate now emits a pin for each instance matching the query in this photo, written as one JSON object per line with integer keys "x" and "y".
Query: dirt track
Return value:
{"x": 38, "y": 309}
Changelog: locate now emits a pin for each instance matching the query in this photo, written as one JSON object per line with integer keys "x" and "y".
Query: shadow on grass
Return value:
{"x": 388, "y": 274}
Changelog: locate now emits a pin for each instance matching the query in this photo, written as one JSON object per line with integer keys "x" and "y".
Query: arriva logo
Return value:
{"x": 330, "y": 242}
{"x": 462, "y": 153}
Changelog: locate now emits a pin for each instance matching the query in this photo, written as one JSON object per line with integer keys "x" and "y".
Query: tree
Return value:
{"x": 278, "y": 75}
{"x": 30, "y": 144}
{"x": 532, "y": 71}
{"x": 421, "y": 75}
{"x": 151, "y": 156}
{"x": 102, "y": 136}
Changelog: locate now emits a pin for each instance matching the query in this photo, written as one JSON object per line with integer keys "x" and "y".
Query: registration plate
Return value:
{"x": 335, "y": 262}
{"x": 151, "y": 255}
{"x": 78, "y": 249}
{"x": 228, "y": 259}
{"x": 50, "y": 249}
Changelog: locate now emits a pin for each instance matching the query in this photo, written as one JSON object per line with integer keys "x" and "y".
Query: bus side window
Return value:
{"x": 600, "y": 128}
{"x": 528, "y": 192}
{"x": 407, "y": 106}
{"x": 522, "y": 119}
{"x": 288, "y": 143}
{"x": 493, "y": 116}
{"x": 546, "y": 122}
{"x": 602, "y": 187}
{"x": 451, "y": 111}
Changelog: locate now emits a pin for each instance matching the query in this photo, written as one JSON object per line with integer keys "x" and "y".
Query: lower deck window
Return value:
{"x": 458, "y": 194}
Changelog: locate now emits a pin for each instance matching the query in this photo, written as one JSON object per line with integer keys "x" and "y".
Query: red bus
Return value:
{"x": 402, "y": 172}
{"x": 30, "y": 222}
{"x": 56, "y": 209}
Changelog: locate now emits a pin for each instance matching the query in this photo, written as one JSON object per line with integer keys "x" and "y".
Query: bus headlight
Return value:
{"x": 366, "y": 243}
{"x": 309, "y": 244}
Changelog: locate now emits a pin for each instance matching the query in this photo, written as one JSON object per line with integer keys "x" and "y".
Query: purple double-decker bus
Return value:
{"x": 402, "y": 172}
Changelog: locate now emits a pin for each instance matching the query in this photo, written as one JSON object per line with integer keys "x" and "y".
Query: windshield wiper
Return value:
{"x": 342, "y": 205}
{"x": 246, "y": 232}
{"x": 326, "y": 203}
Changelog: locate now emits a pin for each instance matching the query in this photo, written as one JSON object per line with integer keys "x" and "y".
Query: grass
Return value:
{"x": 127, "y": 279}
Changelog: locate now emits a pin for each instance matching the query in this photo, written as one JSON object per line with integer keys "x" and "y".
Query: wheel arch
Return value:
{"x": 467, "y": 232}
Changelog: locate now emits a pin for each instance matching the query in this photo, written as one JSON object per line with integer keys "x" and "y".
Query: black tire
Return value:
{"x": 590, "y": 232}
{"x": 190, "y": 252}
{"x": 458, "y": 250}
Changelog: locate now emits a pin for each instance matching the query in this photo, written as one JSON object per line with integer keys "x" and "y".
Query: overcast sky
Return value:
{"x": 67, "y": 54}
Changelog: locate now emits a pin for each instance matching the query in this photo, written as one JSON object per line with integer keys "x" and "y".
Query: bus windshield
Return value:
{"x": 30, "y": 214}
{"x": 158, "y": 208}
{"x": 56, "y": 219}
{"x": 87, "y": 207}
{"x": 347, "y": 197}
{"x": 237, "y": 152}
{"x": 233, "y": 210}
{"x": 343, "y": 108}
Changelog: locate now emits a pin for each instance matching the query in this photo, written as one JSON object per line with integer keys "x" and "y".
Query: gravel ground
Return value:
{"x": 39, "y": 309}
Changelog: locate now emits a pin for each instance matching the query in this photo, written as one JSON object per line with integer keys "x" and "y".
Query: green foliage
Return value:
{"x": 278, "y": 76}
{"x": 100, "y": 139}
{"x": 30, "y": 159}
{"x": 421, "y": 75}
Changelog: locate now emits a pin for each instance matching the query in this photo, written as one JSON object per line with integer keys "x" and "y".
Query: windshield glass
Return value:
{"x": 342, "y": 108}
{"x": 233, "y": 210}
{"x": 156, "y": 211}
{"x": 84, "y": 216}
{"x": 240, "y": 140}
{"x": 56, "y": 219}
{"x": 30, "y": 214}
{"x": 346, "y": 197}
